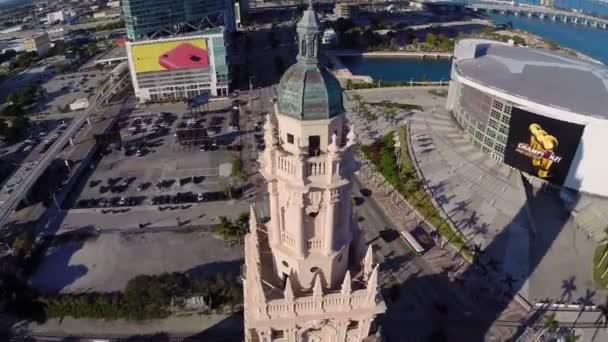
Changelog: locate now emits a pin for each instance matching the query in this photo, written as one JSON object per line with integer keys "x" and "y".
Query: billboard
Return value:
{"x": 170, "y": 55}
{"x": 541, "y": 146}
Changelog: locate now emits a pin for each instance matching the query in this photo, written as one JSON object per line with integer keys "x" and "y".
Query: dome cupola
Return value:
{"x": 308, "y": 91}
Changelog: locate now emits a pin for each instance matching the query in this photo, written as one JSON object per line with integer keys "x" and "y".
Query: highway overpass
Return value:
{"x": 20, "y": 190}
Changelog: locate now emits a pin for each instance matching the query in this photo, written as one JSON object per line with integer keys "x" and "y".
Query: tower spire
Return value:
{"x": 346, "y": 284}
{"x": 288, "y": 292}
{"x": 253, "y": 224}
{"x": 368, "y": 263}
{"x": 309, "y": 34}
{"x": 317, "y": 289}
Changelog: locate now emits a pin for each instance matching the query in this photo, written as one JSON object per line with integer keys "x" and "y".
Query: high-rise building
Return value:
{"x": 153, "y": 18}
{"x": 39, "y": 43}
{"x": 306, "y": 276}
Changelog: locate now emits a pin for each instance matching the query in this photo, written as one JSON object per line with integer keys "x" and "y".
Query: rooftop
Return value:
{"x": 540, "y": 76}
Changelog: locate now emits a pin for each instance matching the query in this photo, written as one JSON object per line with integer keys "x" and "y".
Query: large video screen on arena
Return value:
{"x": 170, "y": 55}
{"x": 541, "y": 146}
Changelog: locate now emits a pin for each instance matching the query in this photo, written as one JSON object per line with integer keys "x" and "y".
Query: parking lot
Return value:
{"x": 168, "y": 154}
{"x": 79, "y": 266}
{"x": 64, "y": 89}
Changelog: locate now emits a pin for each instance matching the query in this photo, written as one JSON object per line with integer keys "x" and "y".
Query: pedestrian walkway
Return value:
{"x": 475, "y": 293}
{"x": 192, "y": 325}
{"x": 482, "y": 197}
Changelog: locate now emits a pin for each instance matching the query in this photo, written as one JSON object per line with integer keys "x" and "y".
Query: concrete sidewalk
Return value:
{"x": 229, "y": 327}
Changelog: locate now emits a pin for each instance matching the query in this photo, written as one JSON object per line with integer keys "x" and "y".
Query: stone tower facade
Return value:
{"x": 306, "y": 276}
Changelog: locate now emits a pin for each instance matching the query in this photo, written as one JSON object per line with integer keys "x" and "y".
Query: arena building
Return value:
{"x": 537, "y": 111}
{"x": 180, "y": 67}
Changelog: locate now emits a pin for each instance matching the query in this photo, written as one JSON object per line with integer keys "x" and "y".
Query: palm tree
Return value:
{"x": 572, "y": 337}
{"x": 551, "y": 324}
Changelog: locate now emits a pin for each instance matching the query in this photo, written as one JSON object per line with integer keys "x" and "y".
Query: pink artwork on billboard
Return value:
{"x": 184, "y": 56}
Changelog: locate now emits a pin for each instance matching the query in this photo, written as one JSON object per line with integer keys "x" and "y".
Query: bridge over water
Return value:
{"x": 540, "y": 12}
{"x": 502, "y": 7}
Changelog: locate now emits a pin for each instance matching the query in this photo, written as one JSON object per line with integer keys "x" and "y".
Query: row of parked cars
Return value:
{"x": 129, "y": 201}
{"x": 111, "y": 202}
{"x": 180, "y": 197}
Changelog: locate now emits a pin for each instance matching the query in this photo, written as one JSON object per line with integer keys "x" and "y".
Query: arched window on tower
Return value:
{"x": 282, "y": 219}
{"x": 311, "y": 47}
{"x": 303, "y": 52}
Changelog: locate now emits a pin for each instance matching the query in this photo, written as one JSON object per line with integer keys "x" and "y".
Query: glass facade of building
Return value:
{"x": 144, "y": 18}
{"x": 484, "y": 120}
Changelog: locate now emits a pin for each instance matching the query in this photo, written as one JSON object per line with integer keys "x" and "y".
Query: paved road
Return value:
{"x": 427, "y": 298}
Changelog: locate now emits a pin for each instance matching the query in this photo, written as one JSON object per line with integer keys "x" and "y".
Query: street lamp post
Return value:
{"x": 250, "y": 89}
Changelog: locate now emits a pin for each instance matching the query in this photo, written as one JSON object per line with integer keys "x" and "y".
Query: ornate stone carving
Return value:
{"x": 315, "y": 199}
{"x": 295, "y": 199}
{"x": 314, "y": 325}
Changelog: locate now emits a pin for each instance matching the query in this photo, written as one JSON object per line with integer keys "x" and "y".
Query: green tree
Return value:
{"x": 488, "y": 30}
{"x": 519, "y": 40}
{"x": 90, "y": 49}
{"x": 572, "y": 337}
{"x": 145, "y": 295}
{"x": 551, "y": 324}
{"x": 25, "y": 59}
{"x": 552, "y": 45}
{"x": 445, "y": 43}
{"x": 238, "y": 170}
{"x": 232, "y": 231}
{"x": 17, "y": 130}
{"x": 12, "y": 110}
{"x": 342, "y": 25}
{"x": 23, "y": 244}
{"x": 431, "y": 39}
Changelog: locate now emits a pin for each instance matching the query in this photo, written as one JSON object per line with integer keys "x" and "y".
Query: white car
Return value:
{"x": 122, "y": 201}
{"x": 200, "y": 197}
{"x": 27, "y": 148}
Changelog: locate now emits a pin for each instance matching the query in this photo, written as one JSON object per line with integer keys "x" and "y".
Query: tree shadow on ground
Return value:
{"x": 212, "y": 268}
{"x": 55, "y": 273}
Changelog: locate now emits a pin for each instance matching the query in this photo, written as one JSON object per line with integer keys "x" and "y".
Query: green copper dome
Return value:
{"x": 308, "y": 91}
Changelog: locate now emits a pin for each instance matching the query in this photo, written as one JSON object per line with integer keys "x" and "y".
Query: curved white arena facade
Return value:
{"x": 537, "y": 111}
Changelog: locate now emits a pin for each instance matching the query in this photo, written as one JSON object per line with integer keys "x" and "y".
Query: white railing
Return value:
{"x": 314, "y": 244}
{"x": 332, "y": 302}
{"x": 286, "y": 165}
{"x": 315, "y": 168}
{"x": 288, "y": 239}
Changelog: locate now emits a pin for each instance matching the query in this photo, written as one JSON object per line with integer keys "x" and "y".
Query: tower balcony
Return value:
{"x": 330, "y": 303}
{"x": 311, "y": 169}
